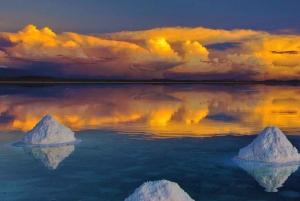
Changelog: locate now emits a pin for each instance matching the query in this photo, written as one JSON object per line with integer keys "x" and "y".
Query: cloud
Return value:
{"x": 223, "y": 46}
{"x": 153, "y": 53}
{"x": 2, "y": 54}
{"x": 181, "y": 34}
{"x": 285, "y": 52}
{"x": 239, "y": 74}
{"x": 5, "y": 43}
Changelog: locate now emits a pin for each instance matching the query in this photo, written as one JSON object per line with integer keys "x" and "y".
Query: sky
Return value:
{"x": 200, "y": 40}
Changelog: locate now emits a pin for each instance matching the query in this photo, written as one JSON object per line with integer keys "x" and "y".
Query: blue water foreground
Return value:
{"x": 131, "y": 134}
{"x": 109, "y": 166}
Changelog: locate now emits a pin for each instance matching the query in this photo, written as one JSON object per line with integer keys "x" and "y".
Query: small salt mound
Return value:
{"x": 271, "y": 146}
{"x": 48, "y": 131}
{"x": 51, "y": 156}
{"x": 162, "y": 190}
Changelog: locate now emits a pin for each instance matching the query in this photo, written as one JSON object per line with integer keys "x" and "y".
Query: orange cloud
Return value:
{"x": 276, "y": 55}
{"x": 180, "y": 34}
{"x": 44, "y": 43}
{"x": 158, "y": 52}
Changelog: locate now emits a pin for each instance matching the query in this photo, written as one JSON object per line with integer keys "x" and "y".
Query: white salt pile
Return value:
{"x": 162, "y": 190}
{"x": 50, "y": 157}
{"x": 267, "y": 176}
{"x": 48, "y": 131}
{"x": 270, "y": 146}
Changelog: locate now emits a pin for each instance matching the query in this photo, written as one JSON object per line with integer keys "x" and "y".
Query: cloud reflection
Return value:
{"x": 164, "y": 111}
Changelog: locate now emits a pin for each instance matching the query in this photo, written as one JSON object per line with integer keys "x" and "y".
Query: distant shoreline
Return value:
{"x": 51, "y": 80}
{"x": 149, "y": 82}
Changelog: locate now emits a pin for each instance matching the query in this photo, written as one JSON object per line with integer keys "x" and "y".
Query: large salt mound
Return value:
{"x": 271, "y": 146}
{"x": 162, "y": 190}
{"x": 50, "y": 156}
{"x": 269, "y": 177}
{"x": 48, "y": 131}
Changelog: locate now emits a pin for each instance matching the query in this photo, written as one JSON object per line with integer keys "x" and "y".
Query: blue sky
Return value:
{"x": 98, "y": 16}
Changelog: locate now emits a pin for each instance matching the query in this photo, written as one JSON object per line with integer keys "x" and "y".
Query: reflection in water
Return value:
{"x": 159, "y": 110}
{"x": 269, "y": 177}
{"x": 51, "y": 156}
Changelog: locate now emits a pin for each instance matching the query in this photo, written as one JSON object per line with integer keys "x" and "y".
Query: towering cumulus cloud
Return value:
{"x": 177, "y": 53}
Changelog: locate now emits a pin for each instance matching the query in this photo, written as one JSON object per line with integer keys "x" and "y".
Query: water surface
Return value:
{"x": 135, "y": 133}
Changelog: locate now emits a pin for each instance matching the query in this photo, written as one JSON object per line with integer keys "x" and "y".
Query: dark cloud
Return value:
{"x": 285, "y": 52}
{"x": 4, "y": 43}
{"x": 6, "y": 118}
{"x": 161, "y": 65}
{"x": 223, "y": 46}
{"x": 221, "y": 117}
{"x": 10, "y": 72}
{"x": 154, "y": 97}
{"x": 23, "y": 60}
{"x": 285, "y": 31}
{"x": 230, "y": 75}
{"x": 45, "y": 69}
{"x": 98, "y": 69}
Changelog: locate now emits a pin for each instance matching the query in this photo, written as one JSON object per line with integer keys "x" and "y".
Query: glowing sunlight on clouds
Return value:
{"x": 177, "y": 53}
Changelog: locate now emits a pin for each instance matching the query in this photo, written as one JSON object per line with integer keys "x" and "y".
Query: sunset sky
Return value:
{"x": 199, "y": 40}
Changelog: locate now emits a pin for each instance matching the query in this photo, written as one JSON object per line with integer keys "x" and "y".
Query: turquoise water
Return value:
{"x": 126, "y": 140}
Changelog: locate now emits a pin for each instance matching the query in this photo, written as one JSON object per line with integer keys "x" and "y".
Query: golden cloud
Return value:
{"x": 153, "y": 53}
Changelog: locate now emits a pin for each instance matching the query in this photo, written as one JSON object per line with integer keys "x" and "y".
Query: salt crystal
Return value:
{"x": 48, "y": 131}
{"x": 270, "y": 146}
{"x": 162, "y": 190}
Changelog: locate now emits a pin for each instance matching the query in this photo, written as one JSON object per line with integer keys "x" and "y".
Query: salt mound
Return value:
{"x": 50, "y": 157}
{"x": 271, "y": 146}
{"x": 48, "y": 131}
{"x": 162, "y": 190}
{"x": 269, "y": 177}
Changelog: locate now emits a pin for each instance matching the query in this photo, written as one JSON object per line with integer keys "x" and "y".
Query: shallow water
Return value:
{"x": 187, "y": 134}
